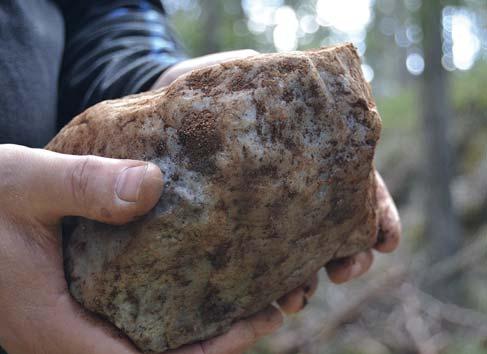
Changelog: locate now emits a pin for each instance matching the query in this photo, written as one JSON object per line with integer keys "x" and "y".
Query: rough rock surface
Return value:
{"x": 269, "y": 174}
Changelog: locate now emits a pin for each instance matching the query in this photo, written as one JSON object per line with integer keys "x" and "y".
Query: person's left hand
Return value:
{"x": 37, "y": 313}
{"x": 339, "y": 270}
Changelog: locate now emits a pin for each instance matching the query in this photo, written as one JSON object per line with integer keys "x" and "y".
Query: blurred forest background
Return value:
{"x": 427, "y": 63}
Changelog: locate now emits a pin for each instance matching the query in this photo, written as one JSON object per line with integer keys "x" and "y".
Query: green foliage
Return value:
{"x": 399, "y": 111}
{"x": 225, "y": 20}
{"x": 470, "y": 107}
{"x": 189, "y": 31}
{"x": 467, "y": 346}
{"x": 469, "y": 93}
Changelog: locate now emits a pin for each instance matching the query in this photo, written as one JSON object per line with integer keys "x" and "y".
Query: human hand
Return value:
{"x": 186, "y": 66}
{"x": 386, "y": 241}
{"x": 340, "y": 270}
{"x": 37, "y": 189}
{"x": 344, "y": 269}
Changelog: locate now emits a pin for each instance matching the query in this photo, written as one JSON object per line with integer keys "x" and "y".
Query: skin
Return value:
{"x": 38, "y": 188}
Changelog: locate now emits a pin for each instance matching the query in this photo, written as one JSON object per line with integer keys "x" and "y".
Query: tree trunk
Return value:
{"x": 211, "y": 10}
{"x": 442, "y": 228}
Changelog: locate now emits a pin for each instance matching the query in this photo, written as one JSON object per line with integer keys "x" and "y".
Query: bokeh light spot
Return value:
{"x": 415, "y": 64}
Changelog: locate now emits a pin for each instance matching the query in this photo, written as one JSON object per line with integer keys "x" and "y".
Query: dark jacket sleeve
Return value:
{"x": 113, "y": 48}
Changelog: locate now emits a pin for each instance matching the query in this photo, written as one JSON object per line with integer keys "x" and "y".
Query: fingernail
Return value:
{"x": 129, "y": 182}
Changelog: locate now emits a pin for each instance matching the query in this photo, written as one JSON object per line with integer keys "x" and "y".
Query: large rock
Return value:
{"x": 268, "y": 165}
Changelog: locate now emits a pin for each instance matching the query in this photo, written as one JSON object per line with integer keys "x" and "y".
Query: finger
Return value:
{"x": 245, "y": 333}
{"x": 216, "y": 58}
{"x": 52, "y": 185}
{"x": 389, "y": 223}
{"x": 240, "y": 337}
{"x": 197, "y": 63}
{"x": 311, "y": 285}
{"x": 293, "y": 302}
{"x": 77, "y": 331}
{"x": 344, "y": 269}
{"x": 297, "y": 299}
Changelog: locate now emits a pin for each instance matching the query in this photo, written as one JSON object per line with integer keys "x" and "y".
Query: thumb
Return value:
{"x": 49, "y": 185}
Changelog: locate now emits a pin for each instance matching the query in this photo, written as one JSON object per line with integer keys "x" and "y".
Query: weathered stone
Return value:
{"x": 268, "y": 165}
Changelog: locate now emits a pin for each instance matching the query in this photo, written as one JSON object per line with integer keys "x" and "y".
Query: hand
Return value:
{"x": 341, "y": 270}
{"x": 344, "y": 269}
{"x": 186, "y": 66}
{"x": 37, "y": 189}
{"x": 387, "y": 239}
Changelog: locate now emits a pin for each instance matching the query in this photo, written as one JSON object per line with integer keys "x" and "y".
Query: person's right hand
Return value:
{"x": 37, "y": 314}
{"x": 338, "y": 270}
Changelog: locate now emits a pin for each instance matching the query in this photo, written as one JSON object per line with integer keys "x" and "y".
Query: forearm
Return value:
{"x": 113, "y": 49}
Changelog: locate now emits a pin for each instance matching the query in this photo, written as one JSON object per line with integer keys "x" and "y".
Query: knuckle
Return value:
{"x": 6, "y": 148}
{"x": 168, "y": 77}
{"x": 200, "y": 348}
{"x": 251, "y": 332}
{"x": 9, "y": 160}
{"x": 79, "y": 179}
